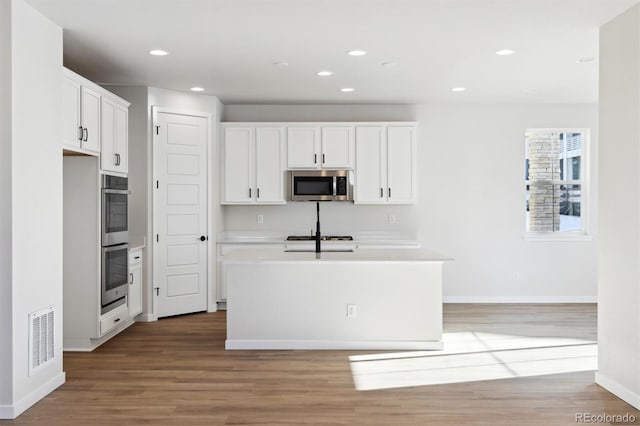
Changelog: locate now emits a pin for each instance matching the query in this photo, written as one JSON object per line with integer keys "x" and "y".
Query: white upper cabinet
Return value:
{"x": 269, "y": 165}
{"x": 337, "y": 148}
{"x": 253, "y": 170}
{"x": 115, "y": 146}
{"x": 401, "y": 165}
{"x": 90, "y": 117}
{"x": 303, "y": 146}
{"x": 73, "y": 131}
{"x": 322, "y": 147}
{"x": 370, "y": 176}
{"x": 81, "y": 116}
{"x": 238, "y": 165}
{"x": 95, "y": 122}
{"x": 385, "y": 165}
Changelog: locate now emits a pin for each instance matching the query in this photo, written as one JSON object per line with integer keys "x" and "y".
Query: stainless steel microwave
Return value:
{"x": 320, "y": 185}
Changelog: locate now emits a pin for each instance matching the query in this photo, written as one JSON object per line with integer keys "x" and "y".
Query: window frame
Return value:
{"x": 583, "y": 234}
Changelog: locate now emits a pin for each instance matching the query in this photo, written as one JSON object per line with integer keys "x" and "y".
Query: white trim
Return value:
{"x": 332, "y": 345}
{"x": 211, "y": 290}
{"x": 13, "y": 411}
{"x": 622, "y": 392}
{"x": 519, "y": 299}
{"x": 146, "y": 318}
{"x": 557, "y": 236}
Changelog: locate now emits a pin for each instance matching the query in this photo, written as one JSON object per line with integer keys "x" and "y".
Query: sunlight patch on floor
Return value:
{"x": 471, "y": 357}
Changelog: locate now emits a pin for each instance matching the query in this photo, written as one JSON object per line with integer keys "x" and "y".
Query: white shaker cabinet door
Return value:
{"x": 238, "y": 165}
{"x": 269, "y": 169}
{"x": 121, "y": 133}
{"x": 401, "y": 166}
{"x": 134, "y": 297}
{"x": 91, "y": 119}
{"x": 72, "y": 131}
{"x": 370, "y": 174}
{"x": 337, "y": 148}
{"x": 303, "y": 147}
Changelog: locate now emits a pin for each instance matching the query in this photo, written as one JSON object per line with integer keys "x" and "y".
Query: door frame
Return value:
{"x": 210, "y": 152}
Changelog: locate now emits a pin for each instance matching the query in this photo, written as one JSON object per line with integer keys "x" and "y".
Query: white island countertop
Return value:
{"x": 271, "y": 255}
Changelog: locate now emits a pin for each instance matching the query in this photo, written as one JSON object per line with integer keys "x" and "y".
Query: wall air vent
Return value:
{"x": 41, "y": 338}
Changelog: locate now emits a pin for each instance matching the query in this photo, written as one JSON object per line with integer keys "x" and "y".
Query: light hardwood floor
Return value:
{"x": 176, "y": 372}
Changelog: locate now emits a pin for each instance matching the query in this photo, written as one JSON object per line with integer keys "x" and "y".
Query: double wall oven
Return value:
{"x": 115, "y": 241}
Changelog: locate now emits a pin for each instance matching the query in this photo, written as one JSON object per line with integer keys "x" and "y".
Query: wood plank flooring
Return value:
{"x": 176, "y": 372}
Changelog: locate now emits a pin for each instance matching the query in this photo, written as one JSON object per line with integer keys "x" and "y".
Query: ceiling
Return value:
{"x": 229, "y": 47}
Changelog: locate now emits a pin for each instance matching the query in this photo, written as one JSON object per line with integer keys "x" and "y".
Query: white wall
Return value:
{"x": 619, "y": 239}
{"x": 471, "y": 192}
{"x": 6, "y": 381}
{"x": 397, "y": 112}
{"x": 471, "y": 198}
{"x": 36, "y": 193}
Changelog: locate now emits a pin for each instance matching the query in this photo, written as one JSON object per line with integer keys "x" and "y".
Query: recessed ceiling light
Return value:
{"x": 505, "y": 52}
{"x": 357, "y": 52}
{"x": 197, "y": 89}
{"x": 324, "y": 73}
{"x": 458, "y": 89}
{"x": 158, "y": 52}
{"x": 281, "y": 64}
{"x": 585, "y": 60}
{"x": 389, "y": 64}
{"x": 347, "y": 89}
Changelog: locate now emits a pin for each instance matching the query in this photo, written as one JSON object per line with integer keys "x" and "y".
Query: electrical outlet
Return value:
{"x": 352, "y": 311}
{"x": 260, "y": 218}
{"x": 392, "y": 219}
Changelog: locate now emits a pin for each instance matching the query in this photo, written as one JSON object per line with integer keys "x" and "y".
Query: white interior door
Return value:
{"x": 180, "y": 214}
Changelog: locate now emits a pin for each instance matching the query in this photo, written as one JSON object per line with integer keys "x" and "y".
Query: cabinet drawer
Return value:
{"x": 113, "y": 319}
{"x": 135, "y": 256}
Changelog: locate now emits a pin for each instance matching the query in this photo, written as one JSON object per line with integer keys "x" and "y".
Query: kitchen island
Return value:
{"x": 376, "y": 299}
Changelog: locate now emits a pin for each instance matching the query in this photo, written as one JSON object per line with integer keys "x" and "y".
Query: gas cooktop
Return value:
{"x": 323, "y": 238}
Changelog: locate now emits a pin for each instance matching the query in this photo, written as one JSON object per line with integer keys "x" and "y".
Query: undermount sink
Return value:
{"x": 322, "y": 251}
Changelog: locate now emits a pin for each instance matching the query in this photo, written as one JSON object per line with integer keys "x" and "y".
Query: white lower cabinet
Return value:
{"x": 135, "y": 282}
{"x": 113, "y": 319}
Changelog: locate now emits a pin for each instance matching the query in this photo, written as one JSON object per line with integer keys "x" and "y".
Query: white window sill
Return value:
{"x": 557, "y": 236}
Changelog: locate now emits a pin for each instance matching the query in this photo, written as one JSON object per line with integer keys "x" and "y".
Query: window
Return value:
{"x": 555, "y": 189}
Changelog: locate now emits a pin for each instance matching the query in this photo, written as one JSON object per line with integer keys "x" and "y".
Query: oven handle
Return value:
{"x": 116, "y": 191}
{"x": 108, "y": 249}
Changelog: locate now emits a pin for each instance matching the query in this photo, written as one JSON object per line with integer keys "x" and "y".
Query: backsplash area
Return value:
{"x": 336, "y": 218}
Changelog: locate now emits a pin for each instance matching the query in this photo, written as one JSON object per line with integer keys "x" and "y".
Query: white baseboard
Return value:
{"x": 146, "y": 318}
{"x": 235, "y": 344}
{"x": 622, "y": 392}
{"x": 13, "y": 411}
{"x": 520, "y": 299}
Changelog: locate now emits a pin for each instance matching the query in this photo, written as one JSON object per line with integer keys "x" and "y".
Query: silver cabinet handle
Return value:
{"x": 258, "y": 193}
{"x": 131, "y": 277}
{"x": 322, "y": 158}
{"x": 315, "y": 158}
{"x": 249, "y": 192}
{"x": 81, "y": 132}
{"x": 381, "y": 192}
{"x": 86, "y": 134}
{"x": 389, "y": 192}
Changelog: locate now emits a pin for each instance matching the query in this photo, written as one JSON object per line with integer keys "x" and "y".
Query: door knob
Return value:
{"x": 202, "y": 238}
